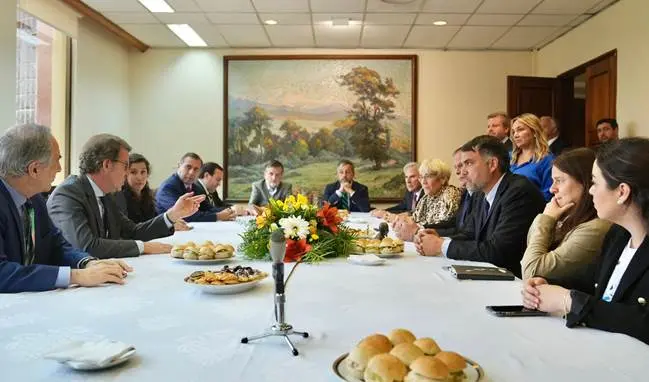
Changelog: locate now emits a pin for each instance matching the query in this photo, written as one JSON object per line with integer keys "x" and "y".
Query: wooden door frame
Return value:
{"x": 582, "y": 68}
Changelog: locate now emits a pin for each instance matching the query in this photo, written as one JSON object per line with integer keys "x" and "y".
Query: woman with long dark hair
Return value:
{"x": 567, "y": 235}
{"x": 615, "y": 296}
{"x": 137, "y": 199}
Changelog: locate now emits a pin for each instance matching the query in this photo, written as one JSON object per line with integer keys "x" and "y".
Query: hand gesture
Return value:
{"x": 98, "y": 273}
{"x": 530, "y": 292}
{"x": 553, "y": 210}
{"x": 226, "y": 214}
{"x": 186, "y": 205}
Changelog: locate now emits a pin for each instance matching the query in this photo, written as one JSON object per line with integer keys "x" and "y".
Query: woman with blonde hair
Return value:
{"x": 439, "y": 204}
{"x": 531, "y": 156}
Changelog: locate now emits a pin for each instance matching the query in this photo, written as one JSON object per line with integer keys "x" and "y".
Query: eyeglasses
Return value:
{"x": 122, "y": 162}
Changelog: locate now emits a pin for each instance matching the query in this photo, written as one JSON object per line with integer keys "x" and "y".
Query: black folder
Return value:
{"x": 471, "y": 272}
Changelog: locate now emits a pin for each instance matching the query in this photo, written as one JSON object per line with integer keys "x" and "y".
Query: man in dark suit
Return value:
{"x": 209, "y": 179}
{"x": 498, "y": 125}
{"x": 345, "y": 193}
{"x": 497, "y": 229}
{"x": 271, "y": 186}
{"x": 84, "y": 207}
{"x": 34, "y": 256}
{"x": 182, "y": 182}
{"x": 551, "y": 130}
{"x": 413, "y": 193}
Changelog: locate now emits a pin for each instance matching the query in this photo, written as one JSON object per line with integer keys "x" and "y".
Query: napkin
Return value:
{"x": 368, "y": 259}
{"x": 99, "y": 353}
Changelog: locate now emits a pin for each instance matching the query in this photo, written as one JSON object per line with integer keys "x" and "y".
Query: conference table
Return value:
{"x": 184, "y": 335}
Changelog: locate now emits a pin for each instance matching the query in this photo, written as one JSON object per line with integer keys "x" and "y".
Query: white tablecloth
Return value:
{"x": 183, "y": 335}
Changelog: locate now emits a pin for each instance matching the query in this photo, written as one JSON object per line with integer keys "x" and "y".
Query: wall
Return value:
{"x": 100, "y": 82}
{"x": 7, "y": 64}
{"x": 176, "y": 99}
{"x": 624, "y": 27}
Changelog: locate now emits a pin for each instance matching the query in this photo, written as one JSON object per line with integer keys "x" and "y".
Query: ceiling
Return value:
{"x": 471, "y": 24}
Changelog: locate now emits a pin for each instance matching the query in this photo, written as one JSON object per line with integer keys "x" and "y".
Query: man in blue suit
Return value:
{"x": 345, "y": 193}
{"x": 182, "y": 182}
{"x": 34, "y": 256}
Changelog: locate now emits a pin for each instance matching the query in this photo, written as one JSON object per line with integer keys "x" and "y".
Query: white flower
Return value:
{"x": 294, "y": 227}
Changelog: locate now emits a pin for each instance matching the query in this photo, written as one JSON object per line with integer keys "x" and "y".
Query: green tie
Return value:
{"x": 29, "y": 231}
{"x": 344, "y": 201}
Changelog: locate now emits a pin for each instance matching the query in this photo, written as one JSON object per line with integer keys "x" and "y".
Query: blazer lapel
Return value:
{"x": 635, "y": 270}
{"x": 92, "y": 201}
{"x": 16, "y": 217}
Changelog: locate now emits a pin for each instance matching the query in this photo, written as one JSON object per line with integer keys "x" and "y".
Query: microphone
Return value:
{"x": 277, "y": 252}
{"x": 382, "y": 231}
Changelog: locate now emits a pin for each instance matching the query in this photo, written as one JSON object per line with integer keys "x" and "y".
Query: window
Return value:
{"x": 42, "y": 80}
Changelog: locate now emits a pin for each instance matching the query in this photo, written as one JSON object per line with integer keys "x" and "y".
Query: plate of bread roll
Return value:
{"x": 205, "y": 253}
{"x": 400, "y": 356}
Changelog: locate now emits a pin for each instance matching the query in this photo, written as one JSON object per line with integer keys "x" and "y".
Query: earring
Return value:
{"x": 620, "y": 201}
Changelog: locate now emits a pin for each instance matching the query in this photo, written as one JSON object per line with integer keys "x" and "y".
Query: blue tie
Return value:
{"x": 464, "y": 209}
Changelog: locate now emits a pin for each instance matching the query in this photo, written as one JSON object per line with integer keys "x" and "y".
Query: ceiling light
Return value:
{"x": 439, "y": 23}
{"x": 270, "y": 22}
{"x": 340, "y": 22}
{"x": 157, "y": 6}
{"x": 187, "y": 34}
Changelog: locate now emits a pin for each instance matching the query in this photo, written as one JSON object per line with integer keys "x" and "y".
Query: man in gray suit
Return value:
{"x": 84, "y": 208}
{"x": 271, "y": 186}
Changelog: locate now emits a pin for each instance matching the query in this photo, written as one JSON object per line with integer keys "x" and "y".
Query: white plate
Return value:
{"x": 473, "y": 371}
{"x": 353, "y": 220}
{"x": 92, "y": 366}
{"x": 365, "y": 259}
{"x": 224, "y": 289}
{"x": 204, "y": 262}
{"x": 381, "y": 255}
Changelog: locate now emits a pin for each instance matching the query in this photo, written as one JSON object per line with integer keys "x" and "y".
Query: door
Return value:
{"x": 536, "y": 95}
{"x": 601, "y": 82}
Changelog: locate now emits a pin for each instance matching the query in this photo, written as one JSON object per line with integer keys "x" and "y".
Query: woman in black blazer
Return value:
{"x": 615, "y": 295}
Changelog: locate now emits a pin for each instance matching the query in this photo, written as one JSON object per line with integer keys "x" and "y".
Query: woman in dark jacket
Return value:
{"x": 136, "y": 200}
{"x": 615, "y": 296}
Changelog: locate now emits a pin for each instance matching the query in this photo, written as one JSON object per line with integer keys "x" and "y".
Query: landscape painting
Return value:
{"x": 309, "y": 112}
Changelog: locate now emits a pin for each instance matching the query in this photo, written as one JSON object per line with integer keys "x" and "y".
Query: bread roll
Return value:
{"x": 190, "y": 253}
{"x": 385, "y": 368}
{"x": 427, "y": 369}
{"x": 177, "y": 251}
{"x": 379, "y": 341}
{"x": 398, "y": 336}
{"x": 428, "y": 345}
{"x": 407, "y": 353}
{"x": 455, "y": 363}
{"x": 358, "y": 358}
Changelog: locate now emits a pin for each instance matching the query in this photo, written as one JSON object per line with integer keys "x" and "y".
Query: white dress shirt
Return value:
{"x": 618, "y": 272}
{"x": 551, "y": 140}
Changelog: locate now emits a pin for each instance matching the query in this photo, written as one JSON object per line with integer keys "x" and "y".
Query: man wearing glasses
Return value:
{"x": 84, "y": 208}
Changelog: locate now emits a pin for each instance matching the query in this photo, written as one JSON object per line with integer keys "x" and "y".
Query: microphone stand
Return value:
{"x": 280, "y": 328}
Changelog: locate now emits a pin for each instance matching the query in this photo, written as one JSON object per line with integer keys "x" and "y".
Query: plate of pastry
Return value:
{"x": 227, "y": 280}
{"x": 400, "y": 356}
{"x": 386, "y": 248}
{"x": 206, "y": 253}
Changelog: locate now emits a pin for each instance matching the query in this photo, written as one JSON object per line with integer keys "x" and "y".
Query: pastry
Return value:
{"x": 177, "y": 251}
{"x": 385, "y": 368}
{"x": 190, "y": 253}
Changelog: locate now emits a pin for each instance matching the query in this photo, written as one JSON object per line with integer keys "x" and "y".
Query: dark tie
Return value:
{"x": 485, "y": 212}
{"x": 210, "y": 199}
{"x": 464, "y": 209}
{"x": 188, "y": 187}
{"x": 344, "y": 201}
{"x": 29, "y": 230}
{"x": 414, "y": 201}
{"x": 105, "y": 217}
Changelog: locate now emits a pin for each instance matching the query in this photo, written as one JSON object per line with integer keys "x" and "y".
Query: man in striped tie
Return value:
{"x": 347, "y": 194}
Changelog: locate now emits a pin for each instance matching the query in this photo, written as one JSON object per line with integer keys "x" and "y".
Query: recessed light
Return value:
{"x": 157, "y": 6}
{"x": 187, "y": 34}
{"x": 439, "y": 23}
{"x": 270, "y": 22}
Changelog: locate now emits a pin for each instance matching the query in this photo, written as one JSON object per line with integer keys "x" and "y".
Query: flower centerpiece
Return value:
{"x": 312, "y": 233}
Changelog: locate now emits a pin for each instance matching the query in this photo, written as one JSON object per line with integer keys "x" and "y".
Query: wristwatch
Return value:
{"x": 84, "y": 262}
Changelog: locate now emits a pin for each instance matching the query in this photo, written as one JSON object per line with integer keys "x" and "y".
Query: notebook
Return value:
{"x": 471, "y": 272}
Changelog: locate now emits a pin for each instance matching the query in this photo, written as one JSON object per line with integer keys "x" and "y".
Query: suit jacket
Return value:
{"x": 452, "y": 227}
{"x": 136, "y": 209}
{"x": 558, "y": 146}
{"x": 171, "y": 190}
{"x": 508, "y": 144}
{"x": 406, "y": 204}
{"x": 259, "y": 195}
{"x": 74, "y": 209}
{"x": 580, "y": 247}
{"x": 51, "y": 250}
{"x": 211, "y": 199}
{"x": 359, "y": 202}
{"x": 500, "y": 238}
{"x": 628, "y": 311}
